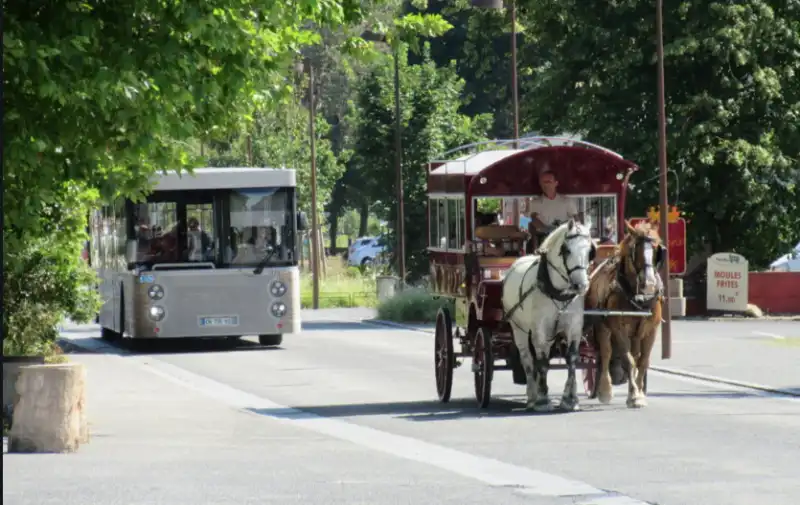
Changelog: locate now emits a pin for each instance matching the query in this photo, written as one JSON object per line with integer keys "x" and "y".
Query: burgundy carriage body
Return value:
{"x": 581, "y": 169}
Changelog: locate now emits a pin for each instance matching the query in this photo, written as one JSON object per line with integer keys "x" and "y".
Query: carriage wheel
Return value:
{"x": 444, "y": 355}
{"x": 483, "y": 366}
{"x": 591, "y": 377}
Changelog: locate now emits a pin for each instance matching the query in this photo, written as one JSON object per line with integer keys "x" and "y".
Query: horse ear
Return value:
{"x": 629, "y": 228}
{"x": 571, "y": 223}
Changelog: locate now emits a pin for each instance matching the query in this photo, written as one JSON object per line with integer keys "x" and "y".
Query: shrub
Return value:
{"x": 413, "y": 306}
{"x": 45, "y": 278}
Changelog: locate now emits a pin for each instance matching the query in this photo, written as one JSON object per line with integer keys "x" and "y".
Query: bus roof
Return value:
{"x": 226, "y": 178}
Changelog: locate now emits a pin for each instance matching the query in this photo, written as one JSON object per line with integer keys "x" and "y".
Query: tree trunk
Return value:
{"x": 364, "y": 214}
{"x": 333, "y": 228}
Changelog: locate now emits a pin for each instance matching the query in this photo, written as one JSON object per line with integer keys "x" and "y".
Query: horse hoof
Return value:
{"x": 604, "y": 398}
{"x": 571, "y": 405}
{"x": 543, "y": 405}
{"x": 636, "y": 403}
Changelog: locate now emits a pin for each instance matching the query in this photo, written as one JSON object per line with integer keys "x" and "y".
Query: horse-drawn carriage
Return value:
{"x": 523, "y": 298}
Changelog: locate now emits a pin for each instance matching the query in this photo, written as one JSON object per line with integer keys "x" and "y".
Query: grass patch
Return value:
{"x": 342, "y": 287}
{"x": 413, "y": 306}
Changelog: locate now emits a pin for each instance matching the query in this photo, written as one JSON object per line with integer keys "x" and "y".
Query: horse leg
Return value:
{"x": 522, "y": 341}
{"x": 635, "y": 398}
{"x": 541, "y": 364}
{"x": 648, "y": 339}
{"x": 569, "y": 400}
{"x": 603, "y": 337}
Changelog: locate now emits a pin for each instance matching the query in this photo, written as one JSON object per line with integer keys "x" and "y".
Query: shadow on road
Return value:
{"x": 142, "y": 347}
{"x": 345, "y": 325}
{"x": 420, "y": 411}
{"x": 724, "y": 395}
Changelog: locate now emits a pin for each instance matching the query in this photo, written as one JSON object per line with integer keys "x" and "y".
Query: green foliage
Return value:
{"x": 413, "y": 306}
{"x": 280, "y": 139}
{"x": 733, "y": 106}
{"x": 46, "y": 279}
{"x": 431, "y": 124}
{"x": 105, "y": 94}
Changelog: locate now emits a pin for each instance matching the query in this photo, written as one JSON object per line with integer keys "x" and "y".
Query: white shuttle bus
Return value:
{"x": 211, "y": 254}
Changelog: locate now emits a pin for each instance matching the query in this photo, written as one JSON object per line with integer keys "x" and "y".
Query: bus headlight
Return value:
{"x": 278, "y": 309}
{"x": 156, "y": 292}
{"x": 157, "y": 313}
{"x": 277, "y": 288}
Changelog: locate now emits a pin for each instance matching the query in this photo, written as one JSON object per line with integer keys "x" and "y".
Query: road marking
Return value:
{"x": 487, "y": 470}
{"x": 770, "y": 335}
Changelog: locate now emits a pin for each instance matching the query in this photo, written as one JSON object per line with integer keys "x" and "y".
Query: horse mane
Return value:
{"x": 555, "y": 237}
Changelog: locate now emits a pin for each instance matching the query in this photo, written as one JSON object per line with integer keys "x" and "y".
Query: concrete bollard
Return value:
{"x": 49, "y": 413}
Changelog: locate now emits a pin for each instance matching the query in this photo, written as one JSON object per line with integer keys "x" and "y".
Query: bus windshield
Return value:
{"x": 261, "y": 227}
{"x": 221, "y": 228}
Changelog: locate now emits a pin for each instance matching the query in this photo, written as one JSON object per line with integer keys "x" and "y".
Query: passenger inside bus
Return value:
{"x": 199, "y": 246}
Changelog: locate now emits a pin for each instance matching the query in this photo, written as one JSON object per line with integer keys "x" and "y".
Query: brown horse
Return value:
{"x": 628, "y": 281}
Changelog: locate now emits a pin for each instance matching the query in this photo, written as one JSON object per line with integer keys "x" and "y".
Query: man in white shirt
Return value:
{"x": 550, "y": 207}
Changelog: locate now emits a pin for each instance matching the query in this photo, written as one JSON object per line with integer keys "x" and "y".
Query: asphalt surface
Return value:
{"x": 346, "y": 412}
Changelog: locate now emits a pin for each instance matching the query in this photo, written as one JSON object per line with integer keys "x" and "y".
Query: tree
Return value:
{"x": 432, "y": 124}
{"x": 733, "y": 107}
{"x": 101, "y": 95}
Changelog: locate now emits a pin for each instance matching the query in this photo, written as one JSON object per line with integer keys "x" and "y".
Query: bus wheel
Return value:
{"x": 270, "y": 339}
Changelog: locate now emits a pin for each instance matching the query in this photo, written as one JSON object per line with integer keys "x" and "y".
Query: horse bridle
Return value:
{"x": 564, "y": 254}
{"x": 633, "y": 296}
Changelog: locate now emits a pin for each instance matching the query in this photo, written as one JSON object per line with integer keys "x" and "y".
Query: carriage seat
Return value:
{"x": 499, "y": 241}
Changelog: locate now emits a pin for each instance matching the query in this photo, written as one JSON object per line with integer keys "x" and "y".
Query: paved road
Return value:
{"x": 345, "y": 413}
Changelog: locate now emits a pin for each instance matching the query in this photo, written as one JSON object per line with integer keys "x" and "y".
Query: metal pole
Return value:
{"x": 514, "y": 86}
{"x": 666, "y": 333}
{"x": 514, "y": 95}
{"x": 314, "y": 221}
{"x": 398, "y": 147}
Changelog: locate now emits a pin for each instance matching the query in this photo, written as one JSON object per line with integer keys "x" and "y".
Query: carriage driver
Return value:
{"x": 550, "y": 209}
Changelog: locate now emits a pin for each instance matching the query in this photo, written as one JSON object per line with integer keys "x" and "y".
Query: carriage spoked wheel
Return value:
{"x": 591, "y": 377}
{"x": 444, "y": 355}
{"x": 483, "y": 366}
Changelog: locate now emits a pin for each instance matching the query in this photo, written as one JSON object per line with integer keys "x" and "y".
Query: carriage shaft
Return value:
{"x": 623, "y": 313}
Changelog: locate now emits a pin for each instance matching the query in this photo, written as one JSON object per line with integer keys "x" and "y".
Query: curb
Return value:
{"x": 665, "y": 370}
{"x": 400, "y": 326}
{"x": 720, "y": 380}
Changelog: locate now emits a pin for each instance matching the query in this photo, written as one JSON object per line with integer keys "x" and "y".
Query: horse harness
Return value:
{"x": 545, "y": 283}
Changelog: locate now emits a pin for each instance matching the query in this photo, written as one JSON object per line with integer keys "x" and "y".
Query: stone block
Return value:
{"x": 49, "y": 412}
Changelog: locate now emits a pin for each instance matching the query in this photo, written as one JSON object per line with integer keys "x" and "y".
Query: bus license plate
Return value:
{"x": 219, "y": 321}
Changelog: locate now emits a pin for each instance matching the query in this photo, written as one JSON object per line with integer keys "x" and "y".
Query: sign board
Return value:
{"x": 677, "y": 243}
{"x": 727, "y": 282}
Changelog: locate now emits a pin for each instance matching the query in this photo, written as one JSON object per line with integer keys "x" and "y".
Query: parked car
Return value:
{"x": 365, "y": 251}
{"x": 789, "y": 262}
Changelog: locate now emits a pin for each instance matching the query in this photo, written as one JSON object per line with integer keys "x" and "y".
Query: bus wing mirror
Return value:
{"x": 302, "y": 221}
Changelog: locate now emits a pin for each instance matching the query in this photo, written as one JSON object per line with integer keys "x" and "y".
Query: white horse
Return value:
{"x": 536, "y": 289}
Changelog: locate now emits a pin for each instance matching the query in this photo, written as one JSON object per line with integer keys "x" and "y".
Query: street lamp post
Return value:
{"x": 666, "y": 333}
{"x": 498, "y": 4}
{"x": 314, "y": 218}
